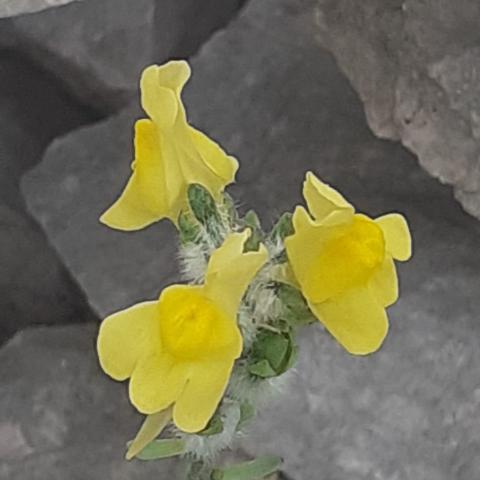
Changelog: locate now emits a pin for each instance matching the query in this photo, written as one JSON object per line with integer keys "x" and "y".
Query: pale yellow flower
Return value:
{"x": 179, "y": 350}
{"x": 343, "y": 263}
{"x": 169, "y": 155}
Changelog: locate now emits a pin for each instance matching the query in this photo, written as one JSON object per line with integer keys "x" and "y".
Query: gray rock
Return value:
{"x": 9, "y": 8}
{"x": 182, "y": 27}
{"x": 34, "y": 109}
{"x": 35, "y": 287}
{"x": 414, "y": 65}
{"x": 273, "y": 97}
{"x": 99, "y": 47}
{"x": 60, "y": 416}
{"x": 82, "y": 173}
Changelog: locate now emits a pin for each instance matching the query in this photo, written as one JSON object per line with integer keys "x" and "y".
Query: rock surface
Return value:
{"x": 36, "y": 288}
{"x": 99, "y": 47}
{"x": 181, "y": 27}
{"x": 85, "y": 171}
{"x": 415, "y": 66}
{"x": 9, "y": 8}
{"x": 60, "y": 416}
{"x": 267, "y": 91}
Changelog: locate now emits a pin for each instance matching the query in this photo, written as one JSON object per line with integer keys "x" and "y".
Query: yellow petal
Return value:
{"x": 322, "y": 200}
{"x": 384, "y": 283}
{"x": 201, "y": 161}
{"x": 149, "y": 194}
{"x": 303, "y": 247}
{"x": 160, "y": 88}
{"x": 397, "y": 235}
{"x": 356, "y": 319}
{"x": 124, "y": 337}
{"x": 151, "y": 428}
{"x": 222, "y": 167}
{"x": 157, "y": 381}
{"x": 193, "y": 326}
{"x": 330, "y": 259}
{"x": 230, "y": 271}
{"x": 174, "y": 74}
{"x": 202, "y": 394}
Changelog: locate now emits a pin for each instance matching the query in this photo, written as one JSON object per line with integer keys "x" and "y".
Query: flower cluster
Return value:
{"x": 201, "y": 355}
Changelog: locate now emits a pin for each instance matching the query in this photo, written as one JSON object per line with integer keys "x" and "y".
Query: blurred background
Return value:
{"x": 380, "y": 98}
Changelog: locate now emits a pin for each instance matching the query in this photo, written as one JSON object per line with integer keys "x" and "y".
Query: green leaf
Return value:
{"x": 273, "y": 347}
{"x": 254, "y": 470}
{"x": 202, "y": 204}
{"x": 292, "y": 356}
{"x": 247, "y": 412}
{"x": 217, "y": 474}
{"x": 252, "y": 221}
{"x": 198, "y": 470}
{"x": 231, "y": 210}
{"x": 187, "y": 227}
{"x": 205, "y": 210}
{"x": 262, "y": 369}
{"x": 296, "y": 311}
{"x": 214, "y": 427}
{"x": 273, "y": 353}
{"x": 162, "y": 449}
{"x": 283, "y": 228}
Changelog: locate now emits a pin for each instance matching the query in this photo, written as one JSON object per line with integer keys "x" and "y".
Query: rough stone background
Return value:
{"x": 60, "y": 418}
{"x": 35, "y": 286}
{"x": 415, "y": 66}
{"x": 266, "y": 88}
{"x": 9, "y": 8}
{"x": 99, "y": 47}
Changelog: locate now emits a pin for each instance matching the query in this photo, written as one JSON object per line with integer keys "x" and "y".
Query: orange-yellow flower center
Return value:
{"x": 347, "y": 259}
{"x": 192, "y": 326}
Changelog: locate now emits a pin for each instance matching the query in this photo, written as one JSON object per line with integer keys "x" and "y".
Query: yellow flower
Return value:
{"x": 343, "y": 262}
{"x": 169, "y": 155}
{"x": 179, "y": 350}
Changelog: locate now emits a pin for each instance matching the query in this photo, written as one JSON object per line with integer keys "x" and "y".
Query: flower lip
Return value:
{"x": 347, "y": 259}
{"x": 192, "y": 326}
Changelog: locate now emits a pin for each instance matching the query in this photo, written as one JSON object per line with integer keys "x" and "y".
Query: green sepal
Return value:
{"x": 296, "y": 311}
{"x": 198, "y": 470}
{"x": 283, "y": 228}
{"x": 247, "y": 413}
{"x": 273, "y": 347}
{"x": 262, "y": 369}
{"x": 214, "y": 427}
{"x": 188, "y": 228}
{"x": 281, "y": 325}
{"x": 230, "y": 209}
{"x": 252, "y": 221}
{"x": 202, "y": 204}
{"x": 273, "y": 353}
{"x": 158, "y": 449}
{"x": 256, "y": 469}
{"x": 205, "y": 210}
{"x": 292, "y": 358}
